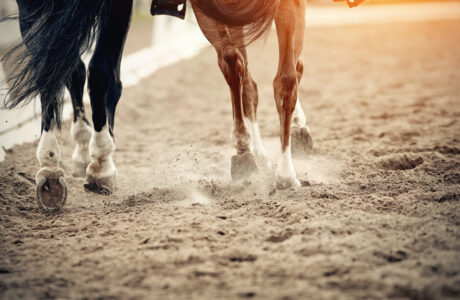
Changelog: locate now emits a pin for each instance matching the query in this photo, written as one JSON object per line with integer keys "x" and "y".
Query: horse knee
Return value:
{"x": 285, "y": 86}
{"x": 288, "y": 80}
{"x": 232, "y": 57}
{"x": 231, "y": 62}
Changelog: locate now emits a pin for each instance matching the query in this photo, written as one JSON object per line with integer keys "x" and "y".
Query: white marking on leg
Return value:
{"x": 51, "y": 188}
{"x": 257, "y": 145}
{"x": 48, "y": 151}
{"x": 285, "y": 169}
{"x": 81, "y": 134}
{"x": 298, "y": 116}
{"x": 101, "y": 147}
{"x": 285, "y": 173}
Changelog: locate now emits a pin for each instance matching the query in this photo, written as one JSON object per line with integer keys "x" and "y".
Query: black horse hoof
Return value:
{"x": 101, "y": 186}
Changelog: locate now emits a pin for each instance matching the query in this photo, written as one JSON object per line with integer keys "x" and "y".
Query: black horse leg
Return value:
{"x": 80, "y": 129}
{"x": 51, "y": 187}
{"x": 105, "y": 90}
{"x": 113, "y": 95}
{"x": 76, "y": 85}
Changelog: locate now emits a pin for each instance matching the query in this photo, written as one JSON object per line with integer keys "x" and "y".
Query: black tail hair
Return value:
{"x": 55, "y": 35}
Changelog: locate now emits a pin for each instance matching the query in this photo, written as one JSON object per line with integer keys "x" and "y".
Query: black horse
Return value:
{"x": 55, "y": 35}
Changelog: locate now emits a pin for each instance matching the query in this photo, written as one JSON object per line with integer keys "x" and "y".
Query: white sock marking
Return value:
{"x": 81, "y": 134}
{"x": 101, "y": 147}
{"x": 257, "y": 145}
{"x": 298, "y": 116}
{"x": 48, "y": 151}
{"x": 285, "y": 168}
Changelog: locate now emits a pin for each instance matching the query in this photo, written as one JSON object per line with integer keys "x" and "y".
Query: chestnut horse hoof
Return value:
{"x": 51, "y": 189}
{"x": 102, "y": 186}
{"x": 301, "y": 140}
{"x": 243, "y": 166}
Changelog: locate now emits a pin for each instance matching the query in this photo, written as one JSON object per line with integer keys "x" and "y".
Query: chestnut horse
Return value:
{"x": 229, "y": 43}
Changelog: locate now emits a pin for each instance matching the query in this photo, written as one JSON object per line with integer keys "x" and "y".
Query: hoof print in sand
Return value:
{"x": 392, "y": 256}
{"x": 239, "y": 258}
{"x": 281, "y": 237}
{"x": 243, "y": 166}
{"x": 301, "y": 140}
{"x": 247, "y": 295}
{"x": 400, "y": 162}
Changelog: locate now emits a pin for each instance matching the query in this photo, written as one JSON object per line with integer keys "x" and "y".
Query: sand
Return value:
{"x": 377, "y": 216}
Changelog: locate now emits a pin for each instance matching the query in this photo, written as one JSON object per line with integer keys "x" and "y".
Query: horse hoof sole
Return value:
{"x": 51, "y": 189}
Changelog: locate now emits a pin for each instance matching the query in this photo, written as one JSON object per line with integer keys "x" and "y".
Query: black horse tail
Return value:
{"x": 55, "y": 35}
{"x": 255, "y": 16}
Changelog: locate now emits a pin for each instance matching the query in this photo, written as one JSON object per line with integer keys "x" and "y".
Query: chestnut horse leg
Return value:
{"x": 290, "y": 26}
{"x": 250, "y": 102}
{"x": 233, "y": 65}
{"x": 301, "y": 140}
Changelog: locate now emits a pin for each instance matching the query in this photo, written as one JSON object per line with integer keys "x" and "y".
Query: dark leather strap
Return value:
{"x": 175, "y": 8}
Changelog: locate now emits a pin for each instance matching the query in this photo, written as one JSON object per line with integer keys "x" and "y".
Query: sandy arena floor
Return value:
{"x": 377, "y": 217}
